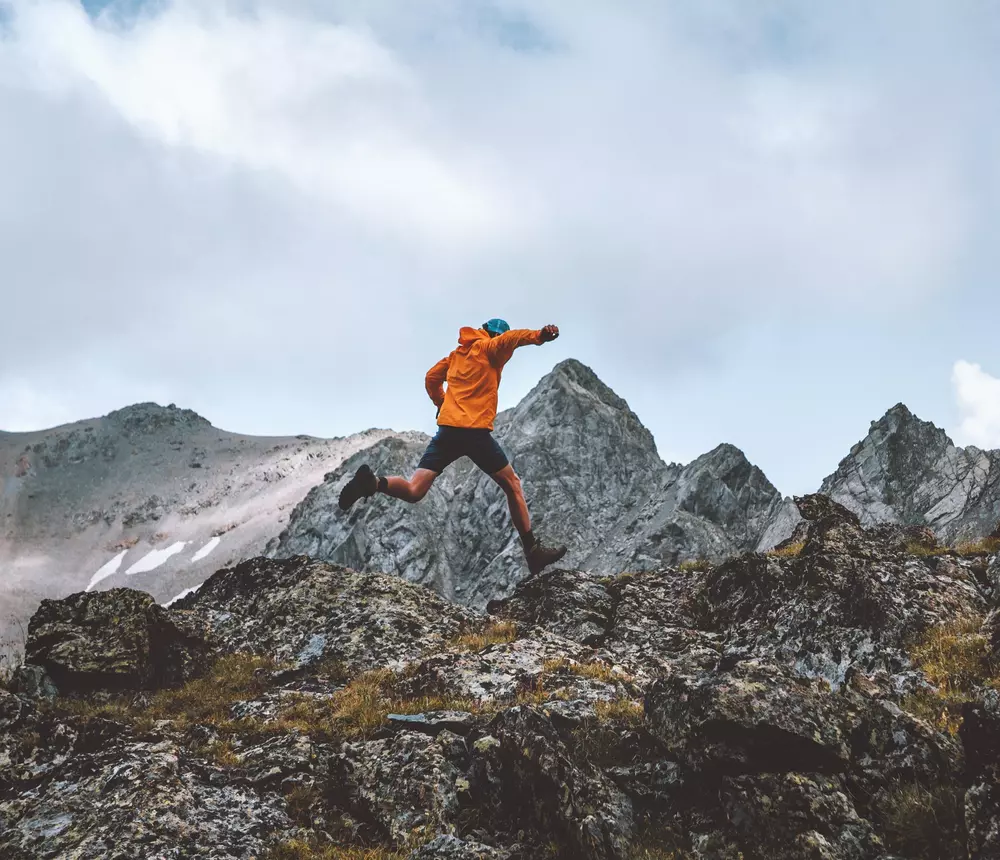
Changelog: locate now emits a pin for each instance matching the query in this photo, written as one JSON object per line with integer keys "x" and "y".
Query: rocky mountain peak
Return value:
{"x": 593, "y": 480}
{"x": 907, "y": 470}
{"x": 577, "y": 379}
{"x": 141, "y": 418}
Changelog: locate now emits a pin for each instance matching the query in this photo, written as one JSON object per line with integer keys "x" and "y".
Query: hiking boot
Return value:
{"x": 362, "y": 485}
{"x": 540, "y": 556}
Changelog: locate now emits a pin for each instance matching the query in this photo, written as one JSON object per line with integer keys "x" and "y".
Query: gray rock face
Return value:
{"x": 593, "y": 480}
{"x": 908, "y": 471}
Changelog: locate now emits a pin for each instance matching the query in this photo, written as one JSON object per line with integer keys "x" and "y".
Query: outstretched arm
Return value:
{"x": 434, "y": 381}
{"x": 501, "y": 348}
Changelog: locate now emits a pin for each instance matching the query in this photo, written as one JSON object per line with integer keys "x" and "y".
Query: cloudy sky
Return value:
{"x": 760, "y": 223}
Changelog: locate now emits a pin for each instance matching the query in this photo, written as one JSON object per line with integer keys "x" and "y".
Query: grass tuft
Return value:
{"x": 956, "y": 659}
{"x": 793, "y": 550}
{"x": 987, "y": 546}
{"x": 620, "y": 711}
{"x": 693, "y": 565}
{"x": 595, "y": 669}
{"x": 300, "y": 849}
{"x": 923, "y": 551}
{"x": 203, "y": 701}
{"x": 923, "y": 823}
{"x": 494, "y": 633}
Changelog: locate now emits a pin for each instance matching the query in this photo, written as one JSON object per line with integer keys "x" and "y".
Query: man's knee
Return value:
{"x": 511, "y": 484}
{"x": 420, "y": 484}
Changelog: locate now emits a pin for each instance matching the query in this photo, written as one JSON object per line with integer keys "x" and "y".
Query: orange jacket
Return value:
{"x": 473, "y": 375}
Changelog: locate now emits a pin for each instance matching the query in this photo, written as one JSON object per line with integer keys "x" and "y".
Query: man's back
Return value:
{"x": 473, "y": 371}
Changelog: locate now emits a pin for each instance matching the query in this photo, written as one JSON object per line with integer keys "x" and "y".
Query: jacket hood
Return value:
{"x": 468, "y": 335}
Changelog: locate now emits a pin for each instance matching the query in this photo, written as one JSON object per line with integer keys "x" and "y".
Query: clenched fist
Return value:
{"x": 550, "y": 332}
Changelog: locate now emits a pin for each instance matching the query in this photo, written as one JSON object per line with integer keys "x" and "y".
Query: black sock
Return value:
{"x": 382, "y": 485}
{"x": 528, "y": 540}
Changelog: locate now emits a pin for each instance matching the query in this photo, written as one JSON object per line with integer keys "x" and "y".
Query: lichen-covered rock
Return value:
{"x": 32, "y": 682}
{"x": 498, "y": 672}
{"x": 132, "y": 799}
{"x": 980, "y": 735}
{"x": 797, "y": 816}
{"x": 114, "y": 640}
{"x": 642, "y": 620}
{"x": 448, "y": 847}
{"x": 756, "y": 709}
{"x": 302, "y": 611}
{"x": 400, "y": 787}
{"x": 750, "y": 718}
{"x": 525, "y": 771}
{"x": 848, "y": 599}
{"x": 12, "y": 710}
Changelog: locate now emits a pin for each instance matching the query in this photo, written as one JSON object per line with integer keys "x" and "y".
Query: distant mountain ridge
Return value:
{"x": 157, "y": 498}
{"x": 150, "y": 496}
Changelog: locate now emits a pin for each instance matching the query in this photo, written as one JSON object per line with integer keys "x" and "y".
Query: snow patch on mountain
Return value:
{"x": 206, "y": 550}
{"x": 109, "y": 569}
{"x": 156, "y": 558}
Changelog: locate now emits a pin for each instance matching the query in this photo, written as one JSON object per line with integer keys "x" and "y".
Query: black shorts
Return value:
{"x": 450, "y": 443}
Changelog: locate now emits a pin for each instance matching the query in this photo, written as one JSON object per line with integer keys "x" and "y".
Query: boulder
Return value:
{"x": 301, "y": 611}
{"x": 753, "y": 717}
{"x": 114, "y": 640}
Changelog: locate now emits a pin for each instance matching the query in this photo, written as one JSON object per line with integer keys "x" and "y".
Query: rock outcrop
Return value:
{"x": 593, "y": 480}
{"x": 766, "y": 707}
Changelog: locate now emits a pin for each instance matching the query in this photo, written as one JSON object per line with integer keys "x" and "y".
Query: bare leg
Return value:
{"x": 414, "y": 489}
{"x": 511, "y": 485}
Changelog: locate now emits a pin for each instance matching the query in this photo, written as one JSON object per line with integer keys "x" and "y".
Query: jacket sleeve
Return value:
{"x": 501, "y": 348}
{"x": 434, "y": 381}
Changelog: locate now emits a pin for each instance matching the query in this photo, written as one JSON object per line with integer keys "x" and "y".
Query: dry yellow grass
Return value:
{"x": 694, "y": 564}
{"x": 620, "y": 710}
{"x": 956, "y": 659}
{"x": 222, "y": 753}
{"x": 793, "y": 550}
{"x": 987, "y": 546}
{"x": 494, "y": 633}
{"x": 359, "y": 709}
{"x": 596, "y": 669}
{"x": 299, "y": 849}
{"x": 204, "y": 701}
{"x": 922, "y": 551}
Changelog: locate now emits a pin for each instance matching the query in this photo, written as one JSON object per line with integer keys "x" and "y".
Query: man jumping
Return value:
{"x": 466, "y": 410}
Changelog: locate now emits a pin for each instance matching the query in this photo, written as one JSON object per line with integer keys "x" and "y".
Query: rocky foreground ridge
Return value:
{"x": 836, "y": 698}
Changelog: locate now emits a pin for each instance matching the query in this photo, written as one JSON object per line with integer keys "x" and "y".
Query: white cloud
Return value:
{"x": 278, "y": 212}
{"x": 978, "y": 397}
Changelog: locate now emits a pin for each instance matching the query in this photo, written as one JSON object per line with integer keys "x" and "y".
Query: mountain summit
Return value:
{"x": 909, "y": 471}
{"x": 593, "y": 480}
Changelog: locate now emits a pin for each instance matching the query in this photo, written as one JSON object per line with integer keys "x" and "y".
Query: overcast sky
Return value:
{"x": 762, "y": 223}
